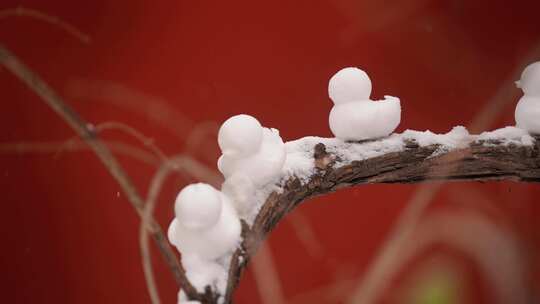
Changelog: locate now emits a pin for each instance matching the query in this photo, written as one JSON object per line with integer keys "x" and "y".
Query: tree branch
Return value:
{"x": 480, "y": 160}
{"x": 88, "y": 133}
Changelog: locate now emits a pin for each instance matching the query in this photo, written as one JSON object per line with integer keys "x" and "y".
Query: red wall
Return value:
{"x": 68, "y": 237}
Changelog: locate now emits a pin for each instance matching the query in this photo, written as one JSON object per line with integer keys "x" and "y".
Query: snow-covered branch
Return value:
{"x": 411, "y": 157}
{"x": 265, "y": 178}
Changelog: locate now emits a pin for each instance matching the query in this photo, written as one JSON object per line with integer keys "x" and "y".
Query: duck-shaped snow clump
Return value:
{"x": 252, "y": 156}
{"x": 206, "y": 227}
{"x": 528, "y": 108}
{"x": 356, "y": 117}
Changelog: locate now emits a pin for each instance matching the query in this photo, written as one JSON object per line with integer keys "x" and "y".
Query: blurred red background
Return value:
{"x": 174, "y": 70}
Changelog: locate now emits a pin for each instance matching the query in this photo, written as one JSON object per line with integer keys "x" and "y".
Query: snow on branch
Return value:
{"x": 323, "y": 165}
{"x": 410, "y": 157}
{"x": 265, "y": 178}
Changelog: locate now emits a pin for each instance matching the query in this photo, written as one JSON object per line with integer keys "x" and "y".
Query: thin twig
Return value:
{"x": 145, "y": 140}
{"x": 21, "y": 11}
{"x": 267, "y": 276}
{"x": 57, "y": 147}
{"x": 87, "y": 132}
{"x": 305, "y": 234}
{"x": 150, "y": 107}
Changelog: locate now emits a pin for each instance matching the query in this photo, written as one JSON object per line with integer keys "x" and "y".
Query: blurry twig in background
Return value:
{"x": 145, "y": 140}
{"x": 153, "y": 108}
{"x": 112, "y": 125}
{"x": 304, "y": 231}
{"x": 373, "y": 16}
{"x": 57, "y": 147}
{"x": 267, "y": 276}
{"x": 21, "y": 11}
{"x": 493, "y": 248}
{"x": 376, "y": 278}
{"x": 199, "y": 132}
{"x": 331, "y": 293}
{"x": 86, "y": 132}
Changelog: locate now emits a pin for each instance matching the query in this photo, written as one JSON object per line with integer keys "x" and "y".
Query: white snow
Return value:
{"x": 182, "y": 298}
{"x": 354, "y": 116}
{"x": 527, "y": 112}
{"x": 201, "y": 272}
{"x": 250, "y": 166}
{"x": 349, "y": 84}
{"x": 365, "y": 119}
{"x": 300, "y": 162}
{"x": 198, "y": 206}
{"x": 530, "y": 79}
{"x": 260, "y": 166}
{"x": 506, "y": 136}
{"x": 240, "y": 189}
{"x": 458, "y": 137}
{"x": 206, "y": 230}
{"x": 240, "y": 136}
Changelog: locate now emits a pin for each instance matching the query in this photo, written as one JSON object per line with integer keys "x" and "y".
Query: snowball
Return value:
{"x": 214, "y": 241}
{"x": 198, "y": 206}
{"x": 365, "y": 120}
{"x": 240, "y": 135}
{"x": 530, "y": 80}
{"x": 260, "y": 167}
{"x": 349, "y": 84}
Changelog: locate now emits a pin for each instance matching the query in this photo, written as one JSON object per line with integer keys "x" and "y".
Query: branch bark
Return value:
{"x": 480, "y": 161}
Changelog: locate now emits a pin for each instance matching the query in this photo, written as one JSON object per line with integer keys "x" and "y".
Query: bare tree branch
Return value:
{"x": 57, "y": 147}
{"x": 21, "y": 11}
{"x": 88, "y": 133}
